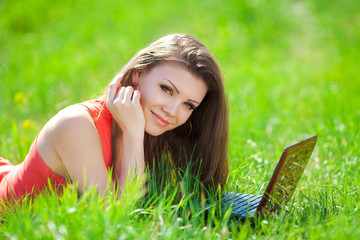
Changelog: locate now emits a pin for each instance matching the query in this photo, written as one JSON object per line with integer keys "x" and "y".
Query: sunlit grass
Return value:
{"x": 291, "y": 70}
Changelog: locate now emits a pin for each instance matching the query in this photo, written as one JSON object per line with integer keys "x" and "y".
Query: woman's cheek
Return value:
{"x": 184, "y": 119}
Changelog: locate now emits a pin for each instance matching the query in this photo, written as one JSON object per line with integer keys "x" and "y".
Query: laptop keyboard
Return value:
{"x": 244, "y": 205}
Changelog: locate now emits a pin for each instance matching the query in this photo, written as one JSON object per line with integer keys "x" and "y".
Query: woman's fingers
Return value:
{"x": 127, "y": 112}
{"x": 128, "y": 94}
{"x": 124, "y": 106}
{"x": 117, "y": 80}
{"x": 136, "y": 96}
{"x": 120, "y": 95}
{"x": 113, "y": 88}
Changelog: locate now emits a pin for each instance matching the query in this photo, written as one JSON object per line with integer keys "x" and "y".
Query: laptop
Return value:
{"x": 281, "y": 186}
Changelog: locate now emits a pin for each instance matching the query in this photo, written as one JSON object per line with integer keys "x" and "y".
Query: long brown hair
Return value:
{"x": 203, "y": 138}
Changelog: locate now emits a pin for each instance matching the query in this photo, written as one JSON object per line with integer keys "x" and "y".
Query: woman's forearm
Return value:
{"x": 130, "y": 160}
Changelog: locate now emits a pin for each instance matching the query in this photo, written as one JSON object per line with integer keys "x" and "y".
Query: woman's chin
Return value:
{"x": 154, "y": 132}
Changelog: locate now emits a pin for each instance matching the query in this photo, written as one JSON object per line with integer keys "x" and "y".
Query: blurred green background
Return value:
{"x": 291, "y": 69}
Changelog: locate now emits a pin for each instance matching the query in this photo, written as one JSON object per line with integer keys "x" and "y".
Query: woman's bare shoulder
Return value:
{"x": 73, "y": 147}
{"x": 71, "y": 118}
{"x": 66, "y": 124}
{"x": 65, "y": 129}
{"x": 73, "y": 115}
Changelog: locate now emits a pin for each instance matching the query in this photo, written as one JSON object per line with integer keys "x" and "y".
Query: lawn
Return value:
{"x": 290, "y": 70}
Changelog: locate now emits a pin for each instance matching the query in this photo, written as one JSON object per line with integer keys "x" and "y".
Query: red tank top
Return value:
{"x": 32, "y": 175}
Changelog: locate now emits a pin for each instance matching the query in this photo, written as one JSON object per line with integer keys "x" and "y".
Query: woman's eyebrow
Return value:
{"x": 178, "y": 90}
{"x": 172, "y": 84}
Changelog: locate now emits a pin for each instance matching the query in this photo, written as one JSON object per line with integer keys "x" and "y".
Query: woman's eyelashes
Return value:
{"x": 189, "y": 106}
{"x": 168, "y": 90}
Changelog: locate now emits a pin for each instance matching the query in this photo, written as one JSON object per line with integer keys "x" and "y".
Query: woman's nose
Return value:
{"x": 171, "y": 108}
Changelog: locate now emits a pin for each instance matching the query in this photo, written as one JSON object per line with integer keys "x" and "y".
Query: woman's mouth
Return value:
{"x": 160, "y": 120}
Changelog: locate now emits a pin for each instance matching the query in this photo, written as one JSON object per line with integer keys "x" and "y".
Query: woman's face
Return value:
{"x": 169, "y": 94}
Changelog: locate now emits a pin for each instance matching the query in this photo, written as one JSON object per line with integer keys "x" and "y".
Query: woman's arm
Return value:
{"x": 130, "y": 160}
{"x": 124, "y": 105}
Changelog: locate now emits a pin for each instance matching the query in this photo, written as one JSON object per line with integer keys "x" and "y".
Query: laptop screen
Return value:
{"x": 287, "y": 174}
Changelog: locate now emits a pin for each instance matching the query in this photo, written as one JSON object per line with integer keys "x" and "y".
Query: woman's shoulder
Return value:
{"x": 76, "y": 111}
{"x": 70, "y": 140}
{"x": 74, "y": 119}
{"x": 80, "y": 118}
{"x": 73, "y": 126}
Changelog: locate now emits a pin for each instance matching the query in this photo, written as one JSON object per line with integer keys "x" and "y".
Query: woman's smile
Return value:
{"x": 160, "y": 120}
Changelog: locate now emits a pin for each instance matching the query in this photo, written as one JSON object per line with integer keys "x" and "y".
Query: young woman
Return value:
{"x": 167, "y": 100}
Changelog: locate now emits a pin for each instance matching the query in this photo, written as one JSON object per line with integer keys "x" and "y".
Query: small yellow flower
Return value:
{"x": 28, "y": 124}
{"x": 19, "y": 97}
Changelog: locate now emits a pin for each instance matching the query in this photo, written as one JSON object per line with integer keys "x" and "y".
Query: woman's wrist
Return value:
{"x": 133, "y": 136}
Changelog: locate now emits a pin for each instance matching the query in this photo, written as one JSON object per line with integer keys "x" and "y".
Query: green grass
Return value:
{"x": 290, "y": 69}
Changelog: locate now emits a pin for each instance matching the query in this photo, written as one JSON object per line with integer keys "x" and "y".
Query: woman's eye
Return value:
{"x": 190, "y": 106}
{"x": 166, "y": 89}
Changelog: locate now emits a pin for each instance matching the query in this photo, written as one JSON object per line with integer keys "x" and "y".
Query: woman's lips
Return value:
{"x": 160, "y": 120}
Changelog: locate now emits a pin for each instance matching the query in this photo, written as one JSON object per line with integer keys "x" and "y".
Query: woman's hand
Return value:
{"x": 124, "y": 105}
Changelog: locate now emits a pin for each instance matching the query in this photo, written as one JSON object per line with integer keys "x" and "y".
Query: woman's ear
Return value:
{"x": 135, "y": 77}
